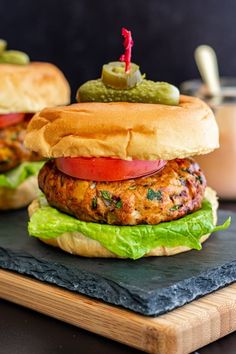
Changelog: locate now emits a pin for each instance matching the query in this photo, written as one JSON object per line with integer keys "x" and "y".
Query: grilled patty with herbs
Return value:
{"x": 178, "y": 189}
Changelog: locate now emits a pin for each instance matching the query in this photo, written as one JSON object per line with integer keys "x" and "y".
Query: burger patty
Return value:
{"x": 12, "y": 150}
{"x": 175, "y": 191}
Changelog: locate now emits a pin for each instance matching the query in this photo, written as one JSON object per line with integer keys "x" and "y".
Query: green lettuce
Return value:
{"x": 13, "y": 178}
{"x": 128, "y": 241}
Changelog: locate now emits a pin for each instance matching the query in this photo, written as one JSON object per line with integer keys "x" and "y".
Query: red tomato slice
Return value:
{"x": 10, "y": 119}
{"x": 107, "y": 169}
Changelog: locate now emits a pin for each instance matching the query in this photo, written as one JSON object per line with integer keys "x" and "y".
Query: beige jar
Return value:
{"x": 220, "y": 165}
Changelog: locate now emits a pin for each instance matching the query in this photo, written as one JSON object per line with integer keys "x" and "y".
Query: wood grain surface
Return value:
{"x": 180, "y": 331}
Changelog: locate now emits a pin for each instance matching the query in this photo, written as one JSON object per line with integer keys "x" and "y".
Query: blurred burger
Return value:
{"x": 25, "y": 88}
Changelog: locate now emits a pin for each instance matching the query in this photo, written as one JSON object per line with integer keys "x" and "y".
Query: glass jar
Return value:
{"x": 220, "y": 165}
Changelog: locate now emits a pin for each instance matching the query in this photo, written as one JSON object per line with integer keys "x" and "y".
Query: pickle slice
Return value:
{"x": 114, "y": 75}
{"x": 14, "y": 57}
{"x": 146, "y": 91}
{"x": 3, "y": 45}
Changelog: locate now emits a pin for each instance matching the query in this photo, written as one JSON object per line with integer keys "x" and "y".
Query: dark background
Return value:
{"x": 80, "y": 35}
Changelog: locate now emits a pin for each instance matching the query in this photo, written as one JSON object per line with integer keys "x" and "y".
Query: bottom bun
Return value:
{"x": 81, "y": 245}
{"x": 19, "y": 197}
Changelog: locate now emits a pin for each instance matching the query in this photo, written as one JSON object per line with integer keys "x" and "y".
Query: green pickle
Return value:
{"x": 114, "y": 75}
{"x": 3, "y": 45}
{"x": 14, "y": 57}
{"x": 146, "y": 91}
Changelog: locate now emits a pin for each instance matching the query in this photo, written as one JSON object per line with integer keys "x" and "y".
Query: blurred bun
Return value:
{"x": 19, "y": 197}
{"x": 32, "y": 87}
{"x": 81, "y": 245}
{"x": 124, "y": 130}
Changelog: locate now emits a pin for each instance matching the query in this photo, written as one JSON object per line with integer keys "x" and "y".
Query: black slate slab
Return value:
{"x": 150, "y": 286}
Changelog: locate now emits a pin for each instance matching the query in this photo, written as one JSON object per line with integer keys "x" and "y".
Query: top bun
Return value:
{"x": 31, "y": 87}
{"x": 124, "y": 130}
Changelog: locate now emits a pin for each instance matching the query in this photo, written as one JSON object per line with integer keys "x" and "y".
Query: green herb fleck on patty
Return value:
{"x": 94, "y": 203}
{"x": 199, "y": 178}
{"x": 119, "y": 204}
{"x": 106, "y": 195}
{"x": 175, "y": 207}
{"x": 111, "y": 200}
{"x": 152, "y": 195}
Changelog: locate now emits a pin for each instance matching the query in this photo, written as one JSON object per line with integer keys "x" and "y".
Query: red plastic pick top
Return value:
{"x": 128, "y": 44}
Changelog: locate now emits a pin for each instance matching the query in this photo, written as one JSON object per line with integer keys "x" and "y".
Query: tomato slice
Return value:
{"x": 10, "y": 119}
{"x": 107, "y": 169}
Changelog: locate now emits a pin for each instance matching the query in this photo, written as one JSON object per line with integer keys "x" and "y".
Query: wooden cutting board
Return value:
{"x": 180, "y": 331}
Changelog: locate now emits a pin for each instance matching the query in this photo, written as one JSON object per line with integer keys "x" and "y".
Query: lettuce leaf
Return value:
{"x": 128, "y": 241}
{"x": 13, "y": 178}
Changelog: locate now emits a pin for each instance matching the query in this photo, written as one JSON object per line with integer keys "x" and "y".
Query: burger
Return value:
{"x": 120, "y": 180}
{"x": 98, "y": 204}
{"x": 25, "y": 88}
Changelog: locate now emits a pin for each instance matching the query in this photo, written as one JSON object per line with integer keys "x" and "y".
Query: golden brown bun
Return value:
{"x": 19, "y": 197}
{"x": 32, "y": 87}
{"x": 78, "y": 244}
{"x": 124, "y": 130}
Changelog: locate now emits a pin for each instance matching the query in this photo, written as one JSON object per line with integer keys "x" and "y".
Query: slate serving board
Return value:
{"x": 150, "y": 286}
